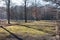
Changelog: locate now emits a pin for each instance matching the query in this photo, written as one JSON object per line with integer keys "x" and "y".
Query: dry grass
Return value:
{"x": 19, "y": 30}
{"x": 23, "y": 30}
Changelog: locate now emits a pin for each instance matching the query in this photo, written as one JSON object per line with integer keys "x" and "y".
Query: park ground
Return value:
{"x": 32, "y": 30}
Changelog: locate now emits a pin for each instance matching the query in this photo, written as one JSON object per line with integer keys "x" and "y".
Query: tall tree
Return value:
{"x": 8, "y": 9}
{"x": 25, "y": 2}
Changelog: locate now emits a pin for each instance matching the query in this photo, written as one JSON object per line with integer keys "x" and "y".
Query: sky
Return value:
{"x": 19, "y": 2}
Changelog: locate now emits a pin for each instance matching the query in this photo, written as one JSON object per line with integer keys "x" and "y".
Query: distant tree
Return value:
{"x": 54, "y": 1}
{"x": 35, "y": 9}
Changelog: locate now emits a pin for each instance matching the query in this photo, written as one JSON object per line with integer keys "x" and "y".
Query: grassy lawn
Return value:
{"x": 23, "y": 29}
{"x": 31, "y": 28}
{"x": 46, "y": 26}
{"x": 19, "y": 30}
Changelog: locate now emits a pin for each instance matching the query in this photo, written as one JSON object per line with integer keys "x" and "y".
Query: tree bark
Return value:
{"x": 25, "y": 12}
{"x": 8, "y": 11}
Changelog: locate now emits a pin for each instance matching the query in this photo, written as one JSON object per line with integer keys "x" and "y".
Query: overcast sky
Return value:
{"x": 19, "y": 2}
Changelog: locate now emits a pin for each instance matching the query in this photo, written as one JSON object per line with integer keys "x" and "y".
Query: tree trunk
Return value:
{"x": 25, "y": 13}
{"x": 8, "y": 11}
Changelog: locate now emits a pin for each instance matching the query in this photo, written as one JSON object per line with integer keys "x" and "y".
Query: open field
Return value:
{"x": 36, "y": 30}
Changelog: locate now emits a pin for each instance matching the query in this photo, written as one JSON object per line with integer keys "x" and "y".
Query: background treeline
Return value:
{"x": 44, "y": 12}
{"x": 31, "y": 10}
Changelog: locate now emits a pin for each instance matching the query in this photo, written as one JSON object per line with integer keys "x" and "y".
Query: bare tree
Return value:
{"x": 8, "y": 9}
{"x": 36, "y": 10}
{"x": 25, "y": 1}
{"x": 25, "y": 9}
